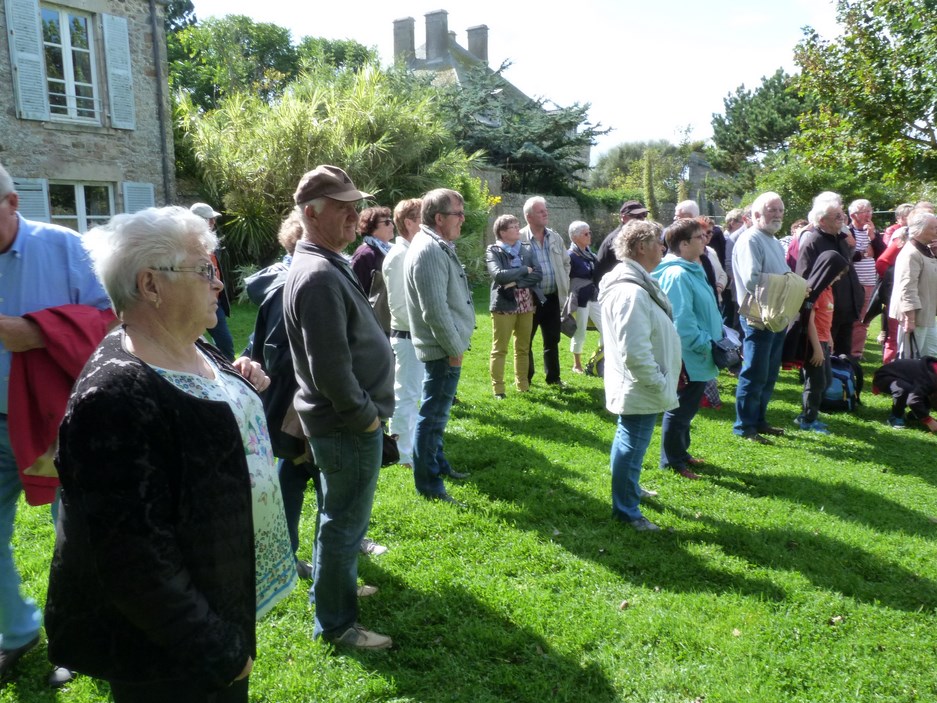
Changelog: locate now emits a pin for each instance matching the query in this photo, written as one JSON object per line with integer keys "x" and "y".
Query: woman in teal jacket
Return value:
{"x": 698, "y": 322}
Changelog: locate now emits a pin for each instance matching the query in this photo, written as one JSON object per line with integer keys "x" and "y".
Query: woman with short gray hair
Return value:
{"x": 581, "y": 284}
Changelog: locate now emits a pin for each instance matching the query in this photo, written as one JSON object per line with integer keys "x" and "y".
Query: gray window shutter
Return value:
{"x": 26, "y": 56}
{"x": 138, "y": 196}
{"x": 33, "y": 198}
{"x": 119, "y": 73}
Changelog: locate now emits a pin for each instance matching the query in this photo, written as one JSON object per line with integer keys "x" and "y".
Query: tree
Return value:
{"x": 875, "y": 89}
{"x": 250, "y": 153}
{"x": 623, "y": 167}
{"x": 541, "y": 149}
{"x": 650, "y": 197}
{"x": 220, "y": 57}
{"x": 179, "y": 15}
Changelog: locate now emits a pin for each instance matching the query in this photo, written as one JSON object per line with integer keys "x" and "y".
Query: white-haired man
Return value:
{"x": 685, "y": 209}
{"x": 869, "y": 245}
{"x": 42, "y": 267}
{"x": 756, "y": 253}
{"x": 345, "y": 371}
{"x": 553, "y": 260}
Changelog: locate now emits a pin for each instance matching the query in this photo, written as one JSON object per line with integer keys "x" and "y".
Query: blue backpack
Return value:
{"x": 842, "y": 395}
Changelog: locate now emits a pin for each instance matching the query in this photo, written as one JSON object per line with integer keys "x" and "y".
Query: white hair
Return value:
{"x": 6, "y": 183}
{"x": 822, "y": 204}
{"x": 917, "y": 222}
{"x": 761, "y": 202}
{"x": 577, "y": 227}
{"x": 859, "y": 204}
{"x": 151, "y": 238}
{"x": 686, "y": 208}
{"x": 529, "y": 205}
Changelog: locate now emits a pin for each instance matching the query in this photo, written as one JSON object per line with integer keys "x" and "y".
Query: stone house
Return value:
{"x": 85, "y": 123}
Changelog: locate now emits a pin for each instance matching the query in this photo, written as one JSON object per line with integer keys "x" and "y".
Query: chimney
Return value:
{"x": 404, "y": 43}
{"x": 437, "y": 35}
{"x": 478, "y": 42}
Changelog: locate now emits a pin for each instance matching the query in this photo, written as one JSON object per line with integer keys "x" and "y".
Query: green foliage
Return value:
{"x": 650, "y": 194}
{"x": 542, "y": 149}
{"x": 179, "y": 15}
{"x": 875, "y": 88}
{"x": 336, "y": 55}
{"x": 756, "y": 127}
{"x": 250, "y": 153}
{"x": 623, "y": 167}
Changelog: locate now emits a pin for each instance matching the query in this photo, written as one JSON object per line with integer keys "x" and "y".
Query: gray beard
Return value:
{"x": 770, "y": 228}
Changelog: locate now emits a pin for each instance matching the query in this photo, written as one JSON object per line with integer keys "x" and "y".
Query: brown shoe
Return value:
{"x": 757, "y": 438}
{"x": 686, "y": 473}
{"x": 769, "y": 430}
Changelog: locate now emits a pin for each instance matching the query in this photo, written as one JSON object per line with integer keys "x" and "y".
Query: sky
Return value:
{"x": 650, "y": 70}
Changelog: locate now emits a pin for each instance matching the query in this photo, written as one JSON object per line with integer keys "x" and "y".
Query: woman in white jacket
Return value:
{"x": 642, "y": 361}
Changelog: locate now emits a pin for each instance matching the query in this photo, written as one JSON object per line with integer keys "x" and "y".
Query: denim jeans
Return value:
{"x": 293, "y": 481}
{"x": 349, "y": 463}
{"x": 675, "y": 427}
{"x": 408, "y": 382}
{"x": 628, "y": 448}
{"x": 761, "y": 364}
{"x": 429, "y": 462}
{"x": 20, "y": 619}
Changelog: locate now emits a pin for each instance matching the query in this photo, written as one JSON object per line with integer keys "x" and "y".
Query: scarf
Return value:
{"x": 515, "y": 252}
{"x": 382, "y": 247}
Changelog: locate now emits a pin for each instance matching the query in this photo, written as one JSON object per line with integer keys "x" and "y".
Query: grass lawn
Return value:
{"x": 805, "y": 571}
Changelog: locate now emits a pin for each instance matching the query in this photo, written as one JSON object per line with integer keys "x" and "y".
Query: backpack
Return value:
{"x": 843, "y": 392}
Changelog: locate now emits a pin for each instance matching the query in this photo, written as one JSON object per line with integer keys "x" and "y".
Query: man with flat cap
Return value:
{"x": 605, "y": 258}
{"x": 345, "y": 372}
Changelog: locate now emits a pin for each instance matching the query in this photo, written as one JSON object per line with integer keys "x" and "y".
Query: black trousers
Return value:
{"x": 176, "y": 692}
{"x": 547, "y": 319}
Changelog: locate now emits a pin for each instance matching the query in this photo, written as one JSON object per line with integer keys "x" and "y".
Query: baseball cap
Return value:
{"x": 327, "y": 182}
{"x": 632, "y": 207}
{"x": 204, "y": 210}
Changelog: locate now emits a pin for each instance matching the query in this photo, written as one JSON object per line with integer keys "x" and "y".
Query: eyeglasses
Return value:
{"x": 459, "y": 213}
{"x": 386, "y": 221}
{"x": 206, "y": 270}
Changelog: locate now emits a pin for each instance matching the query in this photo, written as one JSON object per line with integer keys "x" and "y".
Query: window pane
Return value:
{"x": 81, "y": 61}
{"x": 97, "y": 201}
{"x": 62, "y": 199}
{"x": 51, "y": 31}
{"x": 54, "y": 67}
{"x": 79, "y": 31}
{"x": 57, "y": 101}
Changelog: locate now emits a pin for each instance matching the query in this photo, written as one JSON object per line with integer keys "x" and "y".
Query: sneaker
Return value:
{"x": 60, "y": 676}
{"x": 814, "y": 427}
{"x": 897, "y": 423}
{"x": 644, "y": 493}
{"x": 304, "y": 570}
{"x": 366, "y": 590}
{"x": 371, "y": 548}
{"x": 357, "y": 636}
{"x": 642, "y": 524}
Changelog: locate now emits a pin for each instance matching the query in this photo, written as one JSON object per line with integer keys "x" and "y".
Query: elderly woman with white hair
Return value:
{"x": 171, "y": 538}
{"x": 914, "y": 292}
{"x": 581, "y": 284}
{"x": 642, "y": 362}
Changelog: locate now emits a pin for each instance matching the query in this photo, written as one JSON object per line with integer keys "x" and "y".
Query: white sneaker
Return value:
{"x": 366, "y": 590}
{"x": 371, "y": 548}
{"x": 357, "y": 636}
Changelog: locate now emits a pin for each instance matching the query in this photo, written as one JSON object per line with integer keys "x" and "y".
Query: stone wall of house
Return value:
{"x": 563, "y": 210}
{"x": 80, "y": 152}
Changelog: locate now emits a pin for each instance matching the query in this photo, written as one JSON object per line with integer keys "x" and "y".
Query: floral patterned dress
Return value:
{"x": 275, "y": 564}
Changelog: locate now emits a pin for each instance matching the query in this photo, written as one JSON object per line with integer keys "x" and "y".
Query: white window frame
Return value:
{"x": 79, "y": 221}
{"x": 68, "y": 68}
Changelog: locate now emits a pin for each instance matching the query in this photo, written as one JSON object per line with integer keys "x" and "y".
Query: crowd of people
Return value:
{"x": 177, "y": 524}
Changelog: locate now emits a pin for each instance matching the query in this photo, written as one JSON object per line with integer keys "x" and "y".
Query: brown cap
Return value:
{"x": 632, "y": 207}
{"x": 327, "y": 182}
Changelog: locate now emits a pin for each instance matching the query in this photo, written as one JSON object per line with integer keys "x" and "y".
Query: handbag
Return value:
{"x": 390, "y": 454}
{"x": 727, "y": 354}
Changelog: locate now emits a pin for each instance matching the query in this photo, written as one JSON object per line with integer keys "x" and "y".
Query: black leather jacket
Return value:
{"x": 503, "y": 275}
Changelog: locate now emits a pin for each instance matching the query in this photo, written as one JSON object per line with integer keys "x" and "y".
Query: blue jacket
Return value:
{"x": 695, "y": 313}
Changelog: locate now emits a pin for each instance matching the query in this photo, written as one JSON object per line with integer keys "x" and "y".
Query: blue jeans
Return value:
{"x": 221, "y": 335}
{"x": 20, "y": 619}
{"x": 349, "y": 463}
{"x": 675, "y": 427}
{"x": 761, "y": 364}
{"x": 429, "y": 462}
{"x": 628, "y": 448}
{"x": 293, "y": 481}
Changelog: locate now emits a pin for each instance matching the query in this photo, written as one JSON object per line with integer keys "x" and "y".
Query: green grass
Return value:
{"x": 805, "y": 571}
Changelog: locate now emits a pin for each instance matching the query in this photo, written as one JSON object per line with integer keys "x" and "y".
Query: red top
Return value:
{"x": 823, "y": 315}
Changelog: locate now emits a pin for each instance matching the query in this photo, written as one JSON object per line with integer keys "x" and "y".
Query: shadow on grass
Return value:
{"x": 841, "y": 499}
{"x": 547, "y": 503}
{"x": 448, "y": 646}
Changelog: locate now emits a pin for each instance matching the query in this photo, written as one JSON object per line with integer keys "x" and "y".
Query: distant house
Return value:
{"x": 85, "y": 126}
